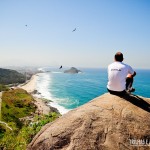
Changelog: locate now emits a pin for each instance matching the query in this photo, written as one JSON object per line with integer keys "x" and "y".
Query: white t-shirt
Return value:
{"x": 117, "y": 73}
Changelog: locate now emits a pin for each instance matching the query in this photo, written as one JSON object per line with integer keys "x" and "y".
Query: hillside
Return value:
{"x": 16, "y": 104}
{"x": 8, "y": 76}
{"x": 19, "y": 120}
{"x": 108, "y": 122}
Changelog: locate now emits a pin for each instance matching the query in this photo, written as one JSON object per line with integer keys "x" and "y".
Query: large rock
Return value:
{"x": 72, "y": 70}
{"x": 108, "y": 122}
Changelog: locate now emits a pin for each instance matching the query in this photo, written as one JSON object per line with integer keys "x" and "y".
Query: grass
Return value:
{"x": 3, "y": 88}
{"x": 17, "y": 104}
{"x": 19, "y": 140}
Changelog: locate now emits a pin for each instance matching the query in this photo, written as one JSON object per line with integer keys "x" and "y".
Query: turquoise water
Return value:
{"x": 73, "y": 90}
{"x": 142, "y": 83}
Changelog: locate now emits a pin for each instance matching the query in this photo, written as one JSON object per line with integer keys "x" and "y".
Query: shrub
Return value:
{"x": 20, "y": 139}
{"x": 3, "y": 88}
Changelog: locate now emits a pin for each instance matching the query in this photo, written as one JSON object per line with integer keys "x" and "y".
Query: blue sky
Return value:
{"x": 103, "y": 27}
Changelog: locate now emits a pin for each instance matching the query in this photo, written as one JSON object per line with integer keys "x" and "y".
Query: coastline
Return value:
{"x": 30, "y": 86}
{"x": 42, "y": 91}
{"x": 42, "y": 107}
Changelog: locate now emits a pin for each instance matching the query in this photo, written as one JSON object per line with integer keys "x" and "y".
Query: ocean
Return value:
{"x": 68, "y": 91}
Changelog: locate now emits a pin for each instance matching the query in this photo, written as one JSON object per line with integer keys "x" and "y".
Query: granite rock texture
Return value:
{"x": 107, "y": 122}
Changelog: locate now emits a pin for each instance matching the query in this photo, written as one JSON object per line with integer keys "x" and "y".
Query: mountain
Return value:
{"x": 108, "y": 122}
{"x": 8, "y": 76}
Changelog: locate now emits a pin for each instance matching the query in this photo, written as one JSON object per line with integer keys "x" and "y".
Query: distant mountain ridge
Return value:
{"x": 8, "y": 76}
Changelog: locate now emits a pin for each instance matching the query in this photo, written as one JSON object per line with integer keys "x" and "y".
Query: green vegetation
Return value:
{"x": 19, "y": 140}
{"x": 8, "y": 76}
{"x": 17, "y": 105}
{"x": 3, "y": 88}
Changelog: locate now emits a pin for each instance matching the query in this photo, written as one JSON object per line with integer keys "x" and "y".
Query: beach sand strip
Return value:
{"x": 30, "y": 87}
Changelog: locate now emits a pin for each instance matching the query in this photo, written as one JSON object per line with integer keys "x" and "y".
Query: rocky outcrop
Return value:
{"x": 108, "y": 122}
{"x": 72, "y": 70}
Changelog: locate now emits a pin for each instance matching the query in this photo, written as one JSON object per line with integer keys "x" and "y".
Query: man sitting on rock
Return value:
{"x": 118, "y": 74}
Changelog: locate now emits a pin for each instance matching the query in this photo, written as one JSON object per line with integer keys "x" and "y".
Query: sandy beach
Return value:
{"x": 30, "y": 87}
{"x": 31, "y": 84}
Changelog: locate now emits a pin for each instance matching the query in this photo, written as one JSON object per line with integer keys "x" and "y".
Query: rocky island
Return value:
{"x": 72, "y": 70}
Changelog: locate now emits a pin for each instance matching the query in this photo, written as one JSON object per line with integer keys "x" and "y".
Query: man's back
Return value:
{"x": 117, "y": 72}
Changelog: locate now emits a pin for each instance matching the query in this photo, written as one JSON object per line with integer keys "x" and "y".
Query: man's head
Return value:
{"x": 119, "y": 57}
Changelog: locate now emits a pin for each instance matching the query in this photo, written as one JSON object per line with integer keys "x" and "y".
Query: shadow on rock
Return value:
{"x": 137, "y": 101}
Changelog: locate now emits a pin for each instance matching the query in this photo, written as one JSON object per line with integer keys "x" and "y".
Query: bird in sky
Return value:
{"x": 60, "y": 67}
{"x": 74, "y": 30}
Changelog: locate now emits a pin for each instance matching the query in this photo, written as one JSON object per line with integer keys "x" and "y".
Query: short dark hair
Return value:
{"x": 119, "y": 56}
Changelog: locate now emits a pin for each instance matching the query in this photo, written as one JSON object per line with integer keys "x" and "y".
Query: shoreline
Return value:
{"x": 30, "y": 85}
{"x": 42, "y": 106}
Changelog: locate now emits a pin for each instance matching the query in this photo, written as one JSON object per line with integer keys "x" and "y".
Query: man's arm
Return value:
{"x": 134, "y": 74}
{"x": 131, "y": 72}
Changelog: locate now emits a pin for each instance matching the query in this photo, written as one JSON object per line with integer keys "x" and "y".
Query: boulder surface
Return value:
{"x": 107, "y": 122}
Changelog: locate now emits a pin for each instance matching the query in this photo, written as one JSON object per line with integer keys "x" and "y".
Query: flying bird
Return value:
{"x": 60, "y": 67}
{"x": 74, "y": 30}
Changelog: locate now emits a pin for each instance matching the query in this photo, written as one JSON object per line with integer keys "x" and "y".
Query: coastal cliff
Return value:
{"x": 108, "y": 122}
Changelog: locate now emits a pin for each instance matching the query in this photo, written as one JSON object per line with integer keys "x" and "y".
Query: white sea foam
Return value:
{"x": 42, "y": 86}
{"x": 61, "y": 109}
{"x": 56, "y": 72}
